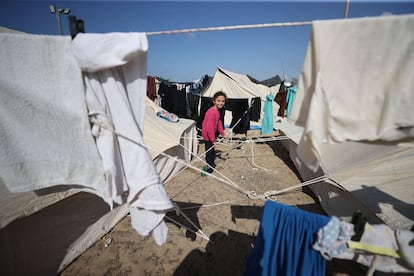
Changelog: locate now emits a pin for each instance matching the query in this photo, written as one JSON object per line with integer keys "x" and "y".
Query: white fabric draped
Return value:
{"x": 115, "y": 78}
{"x": 45, "y": 130}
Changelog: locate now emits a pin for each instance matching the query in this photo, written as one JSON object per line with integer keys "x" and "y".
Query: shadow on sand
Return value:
{"x": 226, "y": 253}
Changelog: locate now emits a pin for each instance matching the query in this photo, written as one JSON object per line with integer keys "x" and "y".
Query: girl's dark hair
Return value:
{"x": 219, "y": 93}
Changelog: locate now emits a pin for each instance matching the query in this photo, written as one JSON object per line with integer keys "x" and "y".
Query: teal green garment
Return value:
{"x": 267, "y": 122}
{"x": 290, "y": 99}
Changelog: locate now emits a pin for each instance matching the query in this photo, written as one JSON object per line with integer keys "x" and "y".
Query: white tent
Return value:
{"x": 353, "y": 120}
{"x": 62, "y": 225}
{"x": 235, "y": 86}
{"x": 177, "y": 139}
{"x": 238, "y": 86}
{"x": 44, "y": 230}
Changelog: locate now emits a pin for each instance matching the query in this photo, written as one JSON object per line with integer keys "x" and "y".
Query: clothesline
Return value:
{"x": 236, "y": 27}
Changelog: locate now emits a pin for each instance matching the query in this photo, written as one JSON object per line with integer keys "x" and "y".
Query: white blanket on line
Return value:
{"x": 115, "y": 77}
{"x": 45, "y": 137}
{"x": 45, "y": 132}
{"x": 356, "y": 83}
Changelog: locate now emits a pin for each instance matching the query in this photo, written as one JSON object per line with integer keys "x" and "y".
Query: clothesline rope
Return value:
{"x": 236, "y": 27}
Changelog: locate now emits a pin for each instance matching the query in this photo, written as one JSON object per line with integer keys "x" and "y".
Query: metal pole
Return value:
{"x": 346, "y": 9}
{"x": 58, "y": 11}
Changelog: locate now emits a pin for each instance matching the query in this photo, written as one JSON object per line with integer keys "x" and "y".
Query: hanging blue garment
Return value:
{"x": 267, "y": 122}
{"x": 290, "y": 99}
{"x": 284, "y": 243}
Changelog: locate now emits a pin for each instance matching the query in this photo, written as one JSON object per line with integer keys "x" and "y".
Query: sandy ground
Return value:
{"x": 227, "y": 217}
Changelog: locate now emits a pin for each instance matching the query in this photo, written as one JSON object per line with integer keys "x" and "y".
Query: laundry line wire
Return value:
{"x": 236, "y": 27}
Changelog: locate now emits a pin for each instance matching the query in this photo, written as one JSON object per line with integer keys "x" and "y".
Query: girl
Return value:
{"x": 211, "y": 124}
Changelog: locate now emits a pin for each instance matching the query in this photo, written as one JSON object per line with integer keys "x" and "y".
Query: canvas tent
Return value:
{"x": 352, "y": 122}
{"x": 352, "y": 119}
{"x": 43, "y": 230}
{"x": 236, "y": 86}
{"x": 175, "y": 139}
{"x": 270, "y": 82}
{"x": 63, "y": 224}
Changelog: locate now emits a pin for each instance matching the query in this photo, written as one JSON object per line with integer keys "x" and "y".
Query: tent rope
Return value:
{"x": 271, "y": 193}
{"x": 177, "y": 209}
{"x": 214, "y": 169}
{"x": 268, "y": 195}
{"x": 198, "y": 232}
{"x": 279, "y": 138}
{"x": 210, "y": 205}
{"x": 254, "y": 163}
{"x": 176, "y": 159}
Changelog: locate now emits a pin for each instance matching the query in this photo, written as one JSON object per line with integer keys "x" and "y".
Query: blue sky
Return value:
{"x": 261, "y": 53}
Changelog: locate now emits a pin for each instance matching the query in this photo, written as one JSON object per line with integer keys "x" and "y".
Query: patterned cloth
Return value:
{"x": 333, "y": 238}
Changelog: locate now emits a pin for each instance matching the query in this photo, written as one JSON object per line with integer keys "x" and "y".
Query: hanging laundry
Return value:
{"x": 280, "y": 98}
{"x": 45, "y": 137}
{"x": 151, "y": 88}
{"x": 124, "y": 110}
{"x": 239, "y": 109}
{"x": 333, "y": 238}
{"x": 267, "y": 122}
{"x": 254, "y": 109}
{"x": 374, "y": 245}
{"x": 290, "y": 99}
{"x": 192, "y": 103}
{"x": 377, "y": 239}
{"x": 405, "y": 239}
{"x": 284, "y": 243}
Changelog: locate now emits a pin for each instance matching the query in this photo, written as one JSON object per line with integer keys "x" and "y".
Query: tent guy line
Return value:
{"x": 198, "y": 232}
{"x": 250, "y": 194}
{"x": 231, "y": 184}
{"x": 236, "y": 27}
